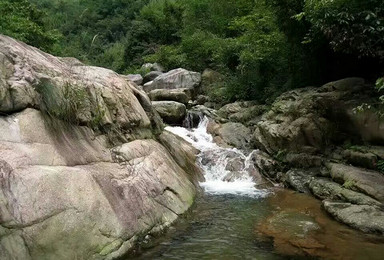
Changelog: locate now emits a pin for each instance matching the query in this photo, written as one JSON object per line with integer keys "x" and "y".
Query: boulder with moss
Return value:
{"x": 170, "y": 111}
{"x": 81, "y": 174}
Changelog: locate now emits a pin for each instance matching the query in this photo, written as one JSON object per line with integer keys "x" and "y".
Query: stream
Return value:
{"x": 234, "y": 219}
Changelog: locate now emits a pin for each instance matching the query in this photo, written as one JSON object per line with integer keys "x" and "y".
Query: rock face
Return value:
{"x": 175, "y": 79}
{"x": 299, "y": 179}
{"x": 172, "y": 112}
{"x": 308, "y": 119}
{"x": 235, "y": 134}
{"x": 306, "y": 129}
{"x": 247, "y": 112}
{"x": 292, "y": 124}
{"x": 64, "y": 193}
{"x": 368, "y": 182}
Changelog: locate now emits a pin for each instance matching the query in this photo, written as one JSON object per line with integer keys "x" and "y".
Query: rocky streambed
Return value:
{"x": 88, "y": 169}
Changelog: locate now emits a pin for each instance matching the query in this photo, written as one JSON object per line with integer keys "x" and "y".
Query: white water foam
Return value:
{"x": 214, "y": 159}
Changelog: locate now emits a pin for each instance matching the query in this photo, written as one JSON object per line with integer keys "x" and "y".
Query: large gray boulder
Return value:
{"x": 236, "y": 135}
{"x": 182, "y": 95}
{"x": 170, "y": 111}
{"x": 174, "y": 79}
{"x": 32, "y": 78}
{"x": 150, "y": 76}
{"x": 64, "y": 192}
{"x": 65, "y": 195}
{"x": 299, "y": 179}
{"x": 363, "y": 217}
{"x": 135, "y": 78}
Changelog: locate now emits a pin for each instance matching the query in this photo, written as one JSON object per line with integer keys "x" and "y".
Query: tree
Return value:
{"x": 351, "y": 26}
{"x": 23, "y": 21}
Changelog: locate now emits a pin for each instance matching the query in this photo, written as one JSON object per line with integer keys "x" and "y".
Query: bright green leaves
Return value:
{"x": 23, "y": 21}
{"x": 351, "y": 26}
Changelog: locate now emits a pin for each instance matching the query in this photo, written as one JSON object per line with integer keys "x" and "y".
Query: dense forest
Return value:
{"x": 261, "y": 47}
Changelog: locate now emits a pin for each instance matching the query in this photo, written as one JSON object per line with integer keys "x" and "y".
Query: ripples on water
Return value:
{"x": 218, "y": 227}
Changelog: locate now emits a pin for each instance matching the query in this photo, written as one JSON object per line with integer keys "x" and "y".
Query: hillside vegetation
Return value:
{"x": 262, "y": 47}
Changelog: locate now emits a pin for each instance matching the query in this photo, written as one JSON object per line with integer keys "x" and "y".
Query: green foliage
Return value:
{"x": 280, "y": 155}
{"x": 378, "y": 107}
{"x": 239, "y": 39}
{"x": 257, "y": 45}
{"x": 351, "y": 26}
{"x": 380, "y": 166}
{"x": 23, "y": 21}
{"x": 349, "y": 184}
{"x": 380, "y": 88}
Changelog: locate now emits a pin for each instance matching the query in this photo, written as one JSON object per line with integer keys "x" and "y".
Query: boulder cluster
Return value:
{"x": 316, "y": 141}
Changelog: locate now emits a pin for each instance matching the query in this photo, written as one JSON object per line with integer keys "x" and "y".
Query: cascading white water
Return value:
{"x": 215, "y": 161}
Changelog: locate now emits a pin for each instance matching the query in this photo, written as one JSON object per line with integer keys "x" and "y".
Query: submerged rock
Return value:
{"x": 299, "y": 226}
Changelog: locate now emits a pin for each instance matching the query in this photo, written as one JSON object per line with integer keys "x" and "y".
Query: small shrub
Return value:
{"x": 66, "y": 103}
{"x": 380, "y": 166}
{"x": 349, "y": 184}
{"x": 280, "y": 155}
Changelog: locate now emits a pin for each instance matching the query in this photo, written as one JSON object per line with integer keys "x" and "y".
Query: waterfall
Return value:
{"x": 226, "y": 170}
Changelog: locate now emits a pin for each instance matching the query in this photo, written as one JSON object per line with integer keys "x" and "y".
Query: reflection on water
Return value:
{"x": 219, "y": 227}
{"x": 300, "y": 226}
